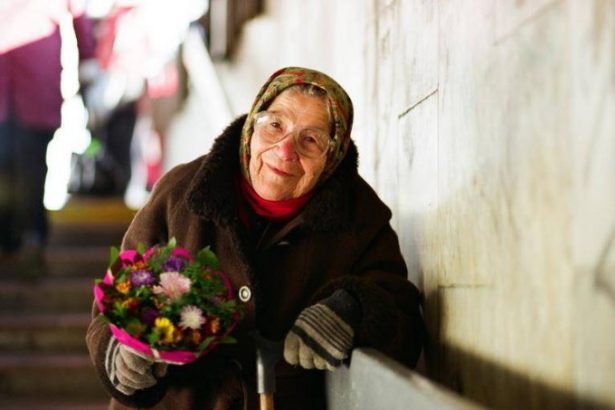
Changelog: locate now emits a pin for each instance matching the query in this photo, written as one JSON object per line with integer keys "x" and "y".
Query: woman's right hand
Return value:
{"x": 129, "y": 371}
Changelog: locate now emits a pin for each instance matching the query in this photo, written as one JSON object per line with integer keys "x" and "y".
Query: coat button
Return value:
{"x": 245, "y": 294}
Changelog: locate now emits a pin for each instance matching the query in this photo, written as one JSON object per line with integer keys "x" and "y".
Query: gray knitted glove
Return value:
{"x": 323, "y": 334}
{"x": 128, "y": 371}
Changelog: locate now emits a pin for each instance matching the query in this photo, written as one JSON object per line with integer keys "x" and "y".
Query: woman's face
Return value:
{"x": 278, "y": 171}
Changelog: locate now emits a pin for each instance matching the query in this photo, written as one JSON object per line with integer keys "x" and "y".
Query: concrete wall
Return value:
{"x": 489, "y": 129}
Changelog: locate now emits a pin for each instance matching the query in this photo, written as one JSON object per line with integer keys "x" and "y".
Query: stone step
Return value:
{"x": 88, "y": 221}
{"x": 49, "y": 378}
{"x": 51, "y": 294}
{"x": 87, "y": 234}
{"x": 57, "y": 404}
{"x": 60, "y": 261}
{"x": 81, "y": 210}
{"x": 44, "y": 332}
{"x": 85, "y": 261}
{"x": 44, "y": 313}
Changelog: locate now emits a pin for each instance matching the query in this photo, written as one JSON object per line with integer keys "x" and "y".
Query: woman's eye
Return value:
{"x": 274, "y": 125}
{"x": 310, "y": 139}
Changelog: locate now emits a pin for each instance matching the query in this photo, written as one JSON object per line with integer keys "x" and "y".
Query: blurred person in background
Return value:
{"x": 111, "y": 100}
{"x": 304, "y": 239}
{"x": 139, "y": 89}
{"x": 30, "y": 103}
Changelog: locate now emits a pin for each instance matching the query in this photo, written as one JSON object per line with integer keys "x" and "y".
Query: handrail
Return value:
{"x": 374, "y": 381}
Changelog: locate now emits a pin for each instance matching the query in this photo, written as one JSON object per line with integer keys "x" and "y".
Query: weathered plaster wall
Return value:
{"x": 489, "y": 128}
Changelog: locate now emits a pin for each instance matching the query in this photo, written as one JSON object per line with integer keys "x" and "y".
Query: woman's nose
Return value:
{"x": 285, "y": 148}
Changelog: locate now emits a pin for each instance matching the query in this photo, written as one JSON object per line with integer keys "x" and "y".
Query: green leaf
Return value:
{"x": 172, "y": 242}
{"x": 228, "y": 340}
{"x": 206, "y": 343}
{"x": 152, "y": 338}
{"x": 119, "y": 310}
{"x": 121, "y": 276}
{"x": 140, "y": 248}
{"x": 104, "y": 318}
{"x": 206, "y": 257}
{"x": 134, "y": 327}
{"x": 229, "y": 305}
{"x": 114, "y": 254}
{"x": 154, "y": 265}
{"x": 143, "y": 293}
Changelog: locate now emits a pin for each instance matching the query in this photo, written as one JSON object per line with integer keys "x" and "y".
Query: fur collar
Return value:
{"x": 212, "y": 196}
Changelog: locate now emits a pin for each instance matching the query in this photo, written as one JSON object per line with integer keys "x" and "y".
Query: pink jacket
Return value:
{"x": 30, "y": 58}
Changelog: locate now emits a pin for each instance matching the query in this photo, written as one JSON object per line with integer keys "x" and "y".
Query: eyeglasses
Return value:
{"x": 272, "y": 128}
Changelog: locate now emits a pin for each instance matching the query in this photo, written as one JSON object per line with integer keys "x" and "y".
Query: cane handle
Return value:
{"x": 266, "y": 401}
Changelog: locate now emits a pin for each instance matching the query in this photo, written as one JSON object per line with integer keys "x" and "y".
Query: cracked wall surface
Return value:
{"x": 488, "y": 127}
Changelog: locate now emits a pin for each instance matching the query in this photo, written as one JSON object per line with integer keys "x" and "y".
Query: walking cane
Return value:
{"x": 267, "y": 355}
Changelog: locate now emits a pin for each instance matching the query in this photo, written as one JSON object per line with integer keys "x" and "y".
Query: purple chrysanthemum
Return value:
{"x": 149, "y": 315}
{"x": 141, "y": 277}
{"x": 173, "y": 264}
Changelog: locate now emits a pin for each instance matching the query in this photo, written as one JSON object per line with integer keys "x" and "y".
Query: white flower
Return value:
{"x": 191, "y": 317}
{"x": 173, "y": 284}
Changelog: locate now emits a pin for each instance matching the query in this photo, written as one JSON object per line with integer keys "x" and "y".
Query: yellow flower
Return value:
{"x": 138, "y": 266}
{"x": 166, "y": 330}
{"x": 123, "y": 287}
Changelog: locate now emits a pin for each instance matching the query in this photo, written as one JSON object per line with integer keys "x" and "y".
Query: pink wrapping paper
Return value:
{"x": 172, "y": 357}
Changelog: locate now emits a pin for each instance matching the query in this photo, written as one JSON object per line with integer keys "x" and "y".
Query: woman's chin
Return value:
{"x": 272, "y": 193}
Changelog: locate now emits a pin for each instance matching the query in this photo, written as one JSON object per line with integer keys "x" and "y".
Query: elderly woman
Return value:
{"x": 305, "y": 241}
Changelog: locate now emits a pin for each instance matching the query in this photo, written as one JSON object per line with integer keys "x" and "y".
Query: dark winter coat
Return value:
{"x": 341, "y": 239}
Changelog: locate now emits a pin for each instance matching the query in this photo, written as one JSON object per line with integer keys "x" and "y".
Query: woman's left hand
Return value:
{"x": 323, "y": 334}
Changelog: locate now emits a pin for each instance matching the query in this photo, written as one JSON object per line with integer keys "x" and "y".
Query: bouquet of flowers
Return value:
{"x": 166, "y": 304}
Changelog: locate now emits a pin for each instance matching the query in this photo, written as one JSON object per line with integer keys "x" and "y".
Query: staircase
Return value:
{"x": 44, "y": 362}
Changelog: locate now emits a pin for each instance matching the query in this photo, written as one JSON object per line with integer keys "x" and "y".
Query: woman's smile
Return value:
{"x": 279, "y": 172}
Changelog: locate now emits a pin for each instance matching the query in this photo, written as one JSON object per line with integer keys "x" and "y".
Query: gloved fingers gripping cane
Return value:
{"x": 321, "y": 338}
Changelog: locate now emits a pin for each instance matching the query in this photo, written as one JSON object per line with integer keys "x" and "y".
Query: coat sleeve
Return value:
{"x": 147, "y": 227}
{"x": 391, "y": 318}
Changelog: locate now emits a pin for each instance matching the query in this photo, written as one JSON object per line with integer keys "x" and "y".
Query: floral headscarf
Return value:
{"x": 339, "y": 102}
